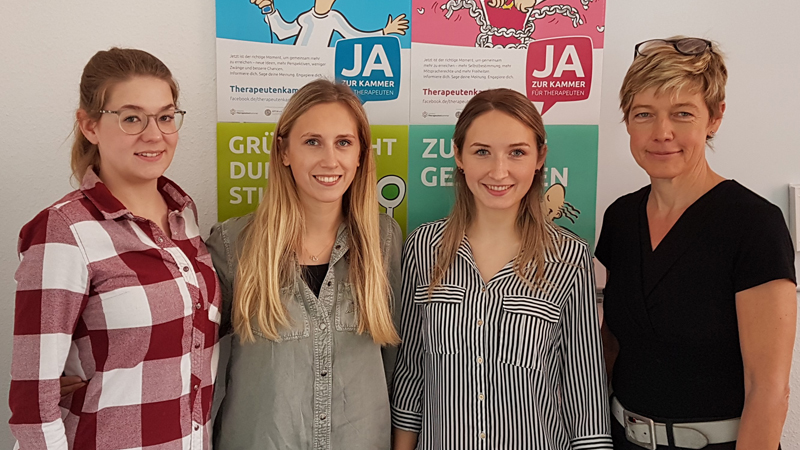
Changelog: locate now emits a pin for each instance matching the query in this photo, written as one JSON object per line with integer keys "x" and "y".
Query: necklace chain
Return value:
{"x": 314, "y": 257}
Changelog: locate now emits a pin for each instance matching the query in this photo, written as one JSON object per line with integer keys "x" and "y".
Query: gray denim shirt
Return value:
{"x": 323, "y": 385}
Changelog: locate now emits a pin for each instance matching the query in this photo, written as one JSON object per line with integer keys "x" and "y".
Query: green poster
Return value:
{"x": 242, "y": 166}
{"x": 390, "y": 143}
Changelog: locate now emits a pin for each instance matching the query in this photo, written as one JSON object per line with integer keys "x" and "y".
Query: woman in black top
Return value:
{"x": 701, "y": 285}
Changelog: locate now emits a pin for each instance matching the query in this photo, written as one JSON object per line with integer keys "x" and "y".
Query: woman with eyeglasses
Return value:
{"x": 307, "y": 284}
{"x": 500, "y": 336}
{"x": 115, "y": 285}
{"x": 700, "y": 302}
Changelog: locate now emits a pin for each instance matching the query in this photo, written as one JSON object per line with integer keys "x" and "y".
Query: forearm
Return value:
{"x": 404, "y": 440}
{"x": 764, "y": 414}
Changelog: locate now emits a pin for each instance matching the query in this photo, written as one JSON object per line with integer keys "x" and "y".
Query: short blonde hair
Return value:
{"x": 669, "y": 71}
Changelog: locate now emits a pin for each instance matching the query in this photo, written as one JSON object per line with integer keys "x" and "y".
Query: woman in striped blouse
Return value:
{"x": 501, "y": 345}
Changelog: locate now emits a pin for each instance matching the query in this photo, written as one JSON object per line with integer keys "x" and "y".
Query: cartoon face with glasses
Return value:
{"x": 317, "y": 26}
{"x": 134, "y": 150}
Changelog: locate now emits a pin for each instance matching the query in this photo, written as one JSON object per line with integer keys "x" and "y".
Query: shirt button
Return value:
{"x": 197, "y": 305}
{"x": 196, "y": 387}
{"x": 483, "y": 435}
{"x": 324, "y": 373}
{"x": 483, "y": 288}
{"x": 338, "y": 247}
{"x": 322, "y": 417}
{"x": 329, "y": 283}
{"x": 480, "y": 322}
{"x": 185, "y": 268}
{"x": 160, "y": 240}
{"x": 197, "y": 345}
{"x": 196, "y": 427}
{"x": 480, "y": 397}
{"x": 480, "y": 360}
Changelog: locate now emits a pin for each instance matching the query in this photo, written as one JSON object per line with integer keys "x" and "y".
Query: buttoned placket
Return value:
{"x": 320, "y": 309}
{"x": 482, "y": 299}
{"x": 196, "y": 305}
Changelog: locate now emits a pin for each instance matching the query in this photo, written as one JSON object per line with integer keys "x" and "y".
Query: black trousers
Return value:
{"x": 622, "y": 443}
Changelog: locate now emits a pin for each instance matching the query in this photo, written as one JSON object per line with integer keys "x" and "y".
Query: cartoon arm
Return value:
{"x": 272, "y": 17}
{"x": 398, "y": 25}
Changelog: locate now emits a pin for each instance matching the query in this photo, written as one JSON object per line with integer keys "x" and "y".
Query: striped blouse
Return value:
{"x": 497, "y": 364}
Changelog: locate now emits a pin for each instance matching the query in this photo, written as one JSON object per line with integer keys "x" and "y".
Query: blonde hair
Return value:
{"x": 532, "y": 222}
{"x": 103, "y": 71}
{"x": 669, "y": 71}
{"x": 269, "y": 262}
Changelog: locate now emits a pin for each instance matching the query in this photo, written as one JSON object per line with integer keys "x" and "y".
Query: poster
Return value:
{"x": 414, "y": 64}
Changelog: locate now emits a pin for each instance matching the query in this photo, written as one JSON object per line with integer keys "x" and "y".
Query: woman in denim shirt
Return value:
{"x": 307, "y": 283}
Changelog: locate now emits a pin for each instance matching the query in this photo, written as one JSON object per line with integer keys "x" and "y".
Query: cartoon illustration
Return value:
{"x": 556, "y": 206}
{"x": 391, "y": 192}
{"x": 505, "y": 23}
{"x": 316, "y": 27}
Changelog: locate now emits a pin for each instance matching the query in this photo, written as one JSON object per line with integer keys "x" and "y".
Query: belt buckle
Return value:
{"x": 629, "y": 434}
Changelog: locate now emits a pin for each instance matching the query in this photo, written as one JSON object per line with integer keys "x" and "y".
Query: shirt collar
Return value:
{"x": 111, "y": 208}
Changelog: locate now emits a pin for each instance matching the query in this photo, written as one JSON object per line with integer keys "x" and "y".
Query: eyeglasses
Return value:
{"x": 684, "y": 46}
{"x": 134, "y": 121}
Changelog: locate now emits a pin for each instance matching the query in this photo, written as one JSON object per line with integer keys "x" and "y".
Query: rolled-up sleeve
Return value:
{"x": 586, "y": 410}
{"x": 52, "y": 291}
{"x": 409, "y": 375}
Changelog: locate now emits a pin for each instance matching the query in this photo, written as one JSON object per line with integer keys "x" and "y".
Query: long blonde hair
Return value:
{"x": 269, "y": 263}
{"x": 103, "y": 71}
{"x": 532, "y": 221}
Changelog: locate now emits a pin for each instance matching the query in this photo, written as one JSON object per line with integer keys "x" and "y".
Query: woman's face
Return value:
{"x": 500, "y": 159}
{"x": 131, "y": 160}
{"x": 323, "y": 153}
{"x": 668, "y": 132}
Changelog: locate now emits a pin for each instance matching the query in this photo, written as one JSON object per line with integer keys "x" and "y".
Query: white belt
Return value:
{"x": 648, "y": 434}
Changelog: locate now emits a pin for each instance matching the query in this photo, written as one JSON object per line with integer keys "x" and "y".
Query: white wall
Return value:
{"x": 43, "y": 48}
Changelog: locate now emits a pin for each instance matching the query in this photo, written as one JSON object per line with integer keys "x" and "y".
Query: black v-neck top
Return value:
{"x": 314, "y": 276}
{"x": 673, "y": 309}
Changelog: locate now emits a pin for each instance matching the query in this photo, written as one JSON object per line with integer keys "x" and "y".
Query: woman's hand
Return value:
{"x": 404, "y": 440}
{"x": 70, "y": 385}
{"x": 767, "y": 316}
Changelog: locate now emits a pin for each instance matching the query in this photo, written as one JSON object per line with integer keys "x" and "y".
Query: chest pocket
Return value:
{"x": 442, "y": 316}
{"x": 346, "y": 311}
{"x": 529, "y": 326}
{"x": 298, "y": 327}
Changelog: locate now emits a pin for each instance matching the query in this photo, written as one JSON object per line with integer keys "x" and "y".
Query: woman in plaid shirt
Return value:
{"x": 115, "y": 285}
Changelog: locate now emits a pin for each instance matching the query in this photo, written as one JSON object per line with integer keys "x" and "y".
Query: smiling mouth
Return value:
{"x": 149, "y": 154}
{"x": 327, "y": 179}
{"x": 501, "y": 188}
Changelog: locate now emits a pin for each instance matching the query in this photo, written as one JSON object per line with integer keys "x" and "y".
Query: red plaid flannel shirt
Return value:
{"x": 109, "y": 297}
